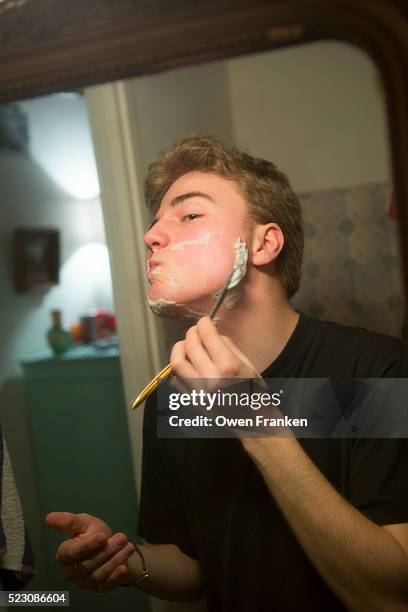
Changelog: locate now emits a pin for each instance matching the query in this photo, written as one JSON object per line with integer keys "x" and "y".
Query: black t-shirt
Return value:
{"x": 207, "y": 496}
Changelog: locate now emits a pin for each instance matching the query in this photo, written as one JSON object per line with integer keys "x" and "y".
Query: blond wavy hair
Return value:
{"x": 266, "y": 190}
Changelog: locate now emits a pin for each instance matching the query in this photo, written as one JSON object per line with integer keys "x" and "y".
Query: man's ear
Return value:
{"x": 267, "y": 243}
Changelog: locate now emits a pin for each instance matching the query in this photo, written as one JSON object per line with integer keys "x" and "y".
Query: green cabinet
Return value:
{"x": 77, "y": 416}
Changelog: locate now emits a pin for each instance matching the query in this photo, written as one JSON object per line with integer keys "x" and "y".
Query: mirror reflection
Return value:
{"x": 317, "y": 111}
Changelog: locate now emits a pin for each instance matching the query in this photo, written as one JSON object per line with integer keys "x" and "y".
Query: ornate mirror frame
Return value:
{"x": 53, "y": 45}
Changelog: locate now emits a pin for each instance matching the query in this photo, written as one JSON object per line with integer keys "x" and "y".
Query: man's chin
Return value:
{"x": 174, "y": 310}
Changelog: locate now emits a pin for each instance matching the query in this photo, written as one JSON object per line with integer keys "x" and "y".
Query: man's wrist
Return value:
{"x": 137, "y": 570}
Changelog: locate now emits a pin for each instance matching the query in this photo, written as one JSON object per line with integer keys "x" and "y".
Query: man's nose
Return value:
{"x": 156, "y": 237}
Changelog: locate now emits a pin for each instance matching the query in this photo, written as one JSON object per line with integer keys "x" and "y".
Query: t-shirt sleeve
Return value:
{"x": 162, "y": 515}
{"x": 378, "y": 479}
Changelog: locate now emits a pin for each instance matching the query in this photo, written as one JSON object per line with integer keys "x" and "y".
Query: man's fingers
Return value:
{"x": 221, "y": 353}
{"x": 117, "y": 575}
{"x": 198, "y": 355}
{"x": 66, "y": 522}
{"x": 78, "y": 548}
{"x": 114, "y": 545}
{"x": 102, "y": 574}
{"x": 91, "y": 556}
{"x": 83, "y": 566}
{"x": 76, "y": 524}
{"x": 180, "y": 364}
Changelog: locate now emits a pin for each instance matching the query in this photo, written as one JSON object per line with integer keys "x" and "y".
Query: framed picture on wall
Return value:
{"x": 36, "y": 258}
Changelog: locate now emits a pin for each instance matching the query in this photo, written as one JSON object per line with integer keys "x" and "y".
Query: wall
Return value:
{"x": 169, "y": 104}
{"x": 316, "y": 110}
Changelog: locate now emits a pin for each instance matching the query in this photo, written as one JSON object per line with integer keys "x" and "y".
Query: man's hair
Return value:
{"x": 266, "y": 190}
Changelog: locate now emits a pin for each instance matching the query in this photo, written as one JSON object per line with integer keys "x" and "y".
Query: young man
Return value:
{"x": 272, "y": 523}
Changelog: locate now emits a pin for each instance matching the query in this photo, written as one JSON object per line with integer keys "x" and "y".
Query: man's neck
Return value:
{"x": 260, "y": 325}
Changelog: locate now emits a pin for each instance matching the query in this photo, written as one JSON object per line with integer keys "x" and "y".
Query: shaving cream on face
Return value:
{"x": 240, "y": 265}
{"x": 170, "y": 308}
{"x": 167, "y": 308}
{"x": 234, "y": 293}
{"x": 171, "y": 281}
{"x": 204, "y": 240}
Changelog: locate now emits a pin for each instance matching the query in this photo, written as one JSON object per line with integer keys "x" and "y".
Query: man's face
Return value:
{"x": 191, "y": 242}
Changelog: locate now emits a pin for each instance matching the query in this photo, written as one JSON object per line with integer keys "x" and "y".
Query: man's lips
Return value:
{"x": 150, "y": 266}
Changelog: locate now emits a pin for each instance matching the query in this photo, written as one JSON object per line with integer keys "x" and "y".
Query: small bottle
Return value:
{"x": 58, "y": 338}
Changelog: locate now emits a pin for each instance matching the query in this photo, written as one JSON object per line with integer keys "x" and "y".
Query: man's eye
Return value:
{"x": 191, "y": 216}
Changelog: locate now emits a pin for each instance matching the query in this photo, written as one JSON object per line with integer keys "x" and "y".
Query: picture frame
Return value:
{"x": 36, "y": 258}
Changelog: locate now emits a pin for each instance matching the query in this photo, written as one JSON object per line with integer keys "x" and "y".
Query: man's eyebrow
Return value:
{"x": 188, "y": 195}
